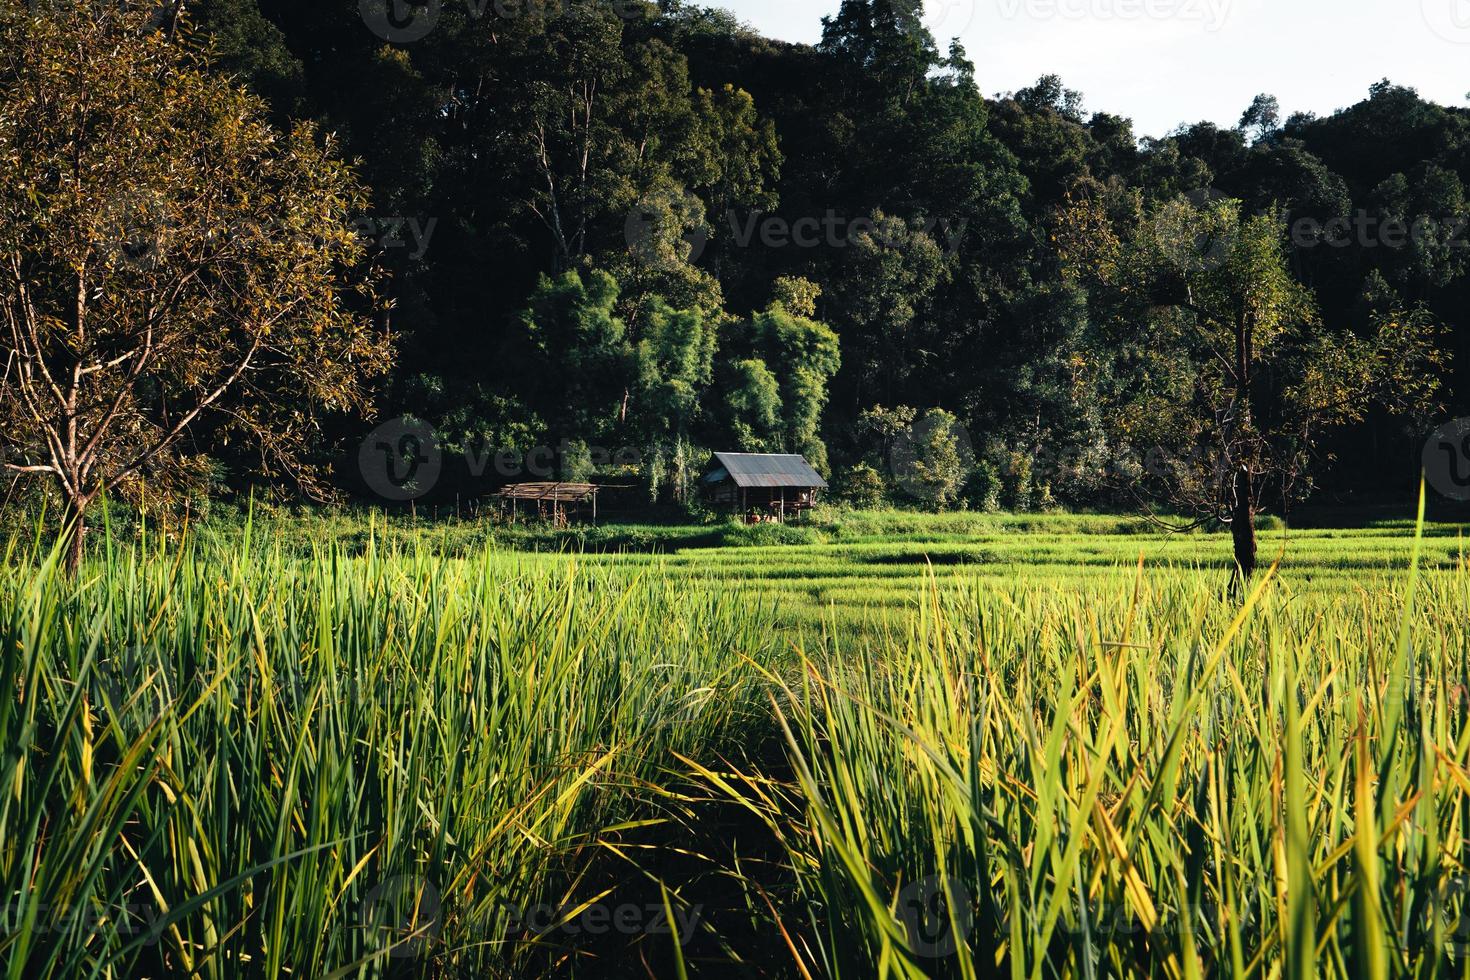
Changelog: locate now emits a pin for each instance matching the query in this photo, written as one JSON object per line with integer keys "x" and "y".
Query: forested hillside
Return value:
{"x": 616, "y": 224}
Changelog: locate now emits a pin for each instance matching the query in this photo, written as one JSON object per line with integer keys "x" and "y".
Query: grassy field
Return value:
{"x": 893, "y": 745}
{"x": 859, "y": 569}
{"x": 875, "y": 568}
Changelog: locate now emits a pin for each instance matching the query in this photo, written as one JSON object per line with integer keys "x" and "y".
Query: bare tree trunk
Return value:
{"x": 1243, "y": 518}
{"x": 76, "y": 531}
{"x": 1243, "y": 524}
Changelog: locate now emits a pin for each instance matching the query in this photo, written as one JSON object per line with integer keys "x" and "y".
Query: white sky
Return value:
{"x": 1166, "y": 62}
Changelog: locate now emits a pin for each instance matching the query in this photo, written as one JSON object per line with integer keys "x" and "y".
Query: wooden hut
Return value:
{"x": 559, "y": 502}
{"x": 762, "y": 486}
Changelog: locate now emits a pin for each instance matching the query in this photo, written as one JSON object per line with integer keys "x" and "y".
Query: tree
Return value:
{"x": 803, "y": 355}
{"x": 738, "y": 156}
{"x": 883, "y": 293}
{"x": 591, "y": 378}
{"x": 775, "y": 368}
{"x": 932, "y": 463}
{"x": 884, "y": 39}
{"x": 861, "y": 486}
{"x": 1234, "y": 377}
{"x": 173, "y": 272}
{"x": 582, "y": 355}
{"x": 879, "y": 430}
{"x": 753, "y": 405}
{"x": 675, "y": 367}
{"x": 1263, "y": 117}
{"x": 575, "y": 114}
{"x": 251, "y": 48}
{"x": 1036, "y": 395}
{"x": 557, "y": 135}
{"x": 1050, "y": 95}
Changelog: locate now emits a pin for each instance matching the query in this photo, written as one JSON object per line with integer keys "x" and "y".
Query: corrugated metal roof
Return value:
{"x": 769, "y": 470}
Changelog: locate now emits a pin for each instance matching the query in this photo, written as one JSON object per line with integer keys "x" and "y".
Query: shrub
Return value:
{"x": 861, "y": 486}
{"x": 984, "y": 488}
{"x": 1019, "y": 487}
{"x": 934, "y": 459}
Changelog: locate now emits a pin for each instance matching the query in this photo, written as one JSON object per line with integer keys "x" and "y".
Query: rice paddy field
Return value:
{"x": 852, "y": 572}
{"x": 858, "y": 577}
{"x": 882, "y": 745}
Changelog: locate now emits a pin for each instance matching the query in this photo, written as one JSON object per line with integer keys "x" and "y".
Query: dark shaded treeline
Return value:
{"x": 624, "y": 224}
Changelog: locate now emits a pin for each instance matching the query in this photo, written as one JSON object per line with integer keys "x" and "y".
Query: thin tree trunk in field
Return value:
{"x": 1243, "y": 524}
{"x": 76, "y": 529}
{"x": 1243, "y": 520}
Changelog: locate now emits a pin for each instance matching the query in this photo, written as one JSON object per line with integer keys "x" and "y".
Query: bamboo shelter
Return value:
{"x": 561, "y": 503}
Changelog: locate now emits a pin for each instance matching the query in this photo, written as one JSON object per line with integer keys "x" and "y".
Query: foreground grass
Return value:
{"x": 1037, "y": 759}
{"x": 233, "y": 763}
{"x": 1139, "y": 782}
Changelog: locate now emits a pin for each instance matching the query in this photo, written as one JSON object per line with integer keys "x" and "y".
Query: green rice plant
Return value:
{"x": 1138, "y": 779}
{"x": 1015, "y": 751}
{"x": 224, "y": 761}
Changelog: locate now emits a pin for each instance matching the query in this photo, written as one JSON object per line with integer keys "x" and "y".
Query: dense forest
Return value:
{"x": 634, "y": 233}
